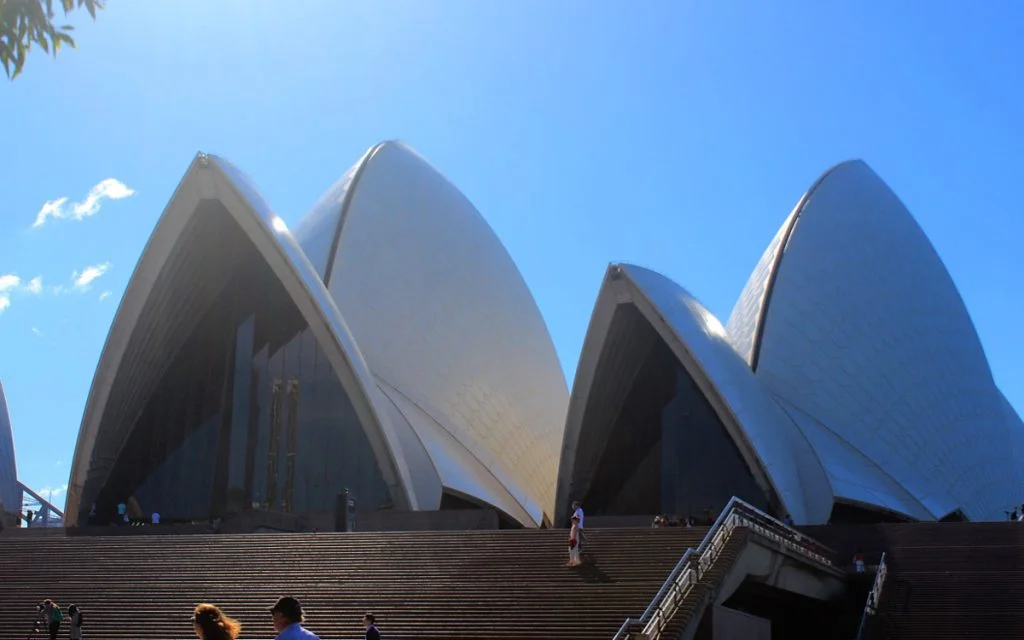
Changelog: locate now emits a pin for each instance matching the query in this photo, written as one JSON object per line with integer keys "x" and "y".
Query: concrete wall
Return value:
{"x": 730, "y": 624}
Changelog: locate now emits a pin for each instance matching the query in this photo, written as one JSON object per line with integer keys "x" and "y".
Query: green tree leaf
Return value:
{"x": 24, "y": 23}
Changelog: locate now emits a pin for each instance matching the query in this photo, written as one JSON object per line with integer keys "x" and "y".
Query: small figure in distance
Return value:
{"x": 288, "y": 617}
{"x": 210, "y": 623}
{"x": 577, "y": 512}
{"x": 858, "y": 561}
{"x": 76, "y": 620}
{"x": 40, "y": 620}
{"x": 574, "y": 544}
{"x": 370, "y": 622}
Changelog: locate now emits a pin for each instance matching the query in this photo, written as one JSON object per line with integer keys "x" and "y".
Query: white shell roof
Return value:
{"x": 443, "y": 318}
{"x": 429, "y": 324}
{"x": 10, "y": 492}
{"x": 157, "y": 311}
{"x": 778, "y": 454}
{"x": 852, "y": 318}
{"x": 850, "y": 369}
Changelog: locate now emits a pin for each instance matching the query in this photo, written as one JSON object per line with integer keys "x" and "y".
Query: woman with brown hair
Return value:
{"x": 53, "y": 617}
{"x": 212, "y": 624}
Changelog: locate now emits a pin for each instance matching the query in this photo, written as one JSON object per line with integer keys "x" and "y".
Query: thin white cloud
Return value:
{"x": 84, "y": 278}
{"x": 50, "y": 209}
{"x": 35, "y": 285}
{"x": 9, "y": 281}
{"x": 109, "y": 189}
{"x": 36, "y": 331}
{"x": 52, "y": 493}
{"x": 105, "y": 295}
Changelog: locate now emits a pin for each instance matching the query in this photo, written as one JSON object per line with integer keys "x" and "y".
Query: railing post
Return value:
{"x": 874, "y": 595}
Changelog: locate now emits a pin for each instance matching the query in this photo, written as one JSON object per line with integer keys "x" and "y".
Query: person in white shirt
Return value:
{"x": 574, "y": 543}
{"x": 577, "y": 512}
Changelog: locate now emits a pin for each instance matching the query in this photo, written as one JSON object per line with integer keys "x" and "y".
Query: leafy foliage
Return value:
{"x": 24, "y": 23}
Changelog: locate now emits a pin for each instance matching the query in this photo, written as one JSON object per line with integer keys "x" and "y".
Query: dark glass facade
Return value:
{"x": 845, "y": 512}
{"x": 664, "y": 449}
{"x": 249, "y": 415}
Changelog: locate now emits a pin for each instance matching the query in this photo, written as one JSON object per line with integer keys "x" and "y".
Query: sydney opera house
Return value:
{"x": 10, "y": 490}
{"x": 387, "y": 345}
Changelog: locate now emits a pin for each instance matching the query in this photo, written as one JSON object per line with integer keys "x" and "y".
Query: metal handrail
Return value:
{"x": 695, "y": 562}
{"x": 871, "y": 605}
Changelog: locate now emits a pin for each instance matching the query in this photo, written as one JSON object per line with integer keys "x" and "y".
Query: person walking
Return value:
{"x": 577, "y": 512}
{"x": 76, "y": 620}
{"x": 288, "y": 617}
{"x": 210, "y": 623}
{"x": 574, "y": 544}
{"x": 370, "y": 622}
{"x": 53, "y": 616}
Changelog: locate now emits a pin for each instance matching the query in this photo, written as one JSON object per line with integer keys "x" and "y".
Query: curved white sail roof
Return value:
{"x": 852, "y": 318}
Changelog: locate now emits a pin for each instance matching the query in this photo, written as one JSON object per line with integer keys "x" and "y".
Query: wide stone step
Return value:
{"x": 487, "y": 584}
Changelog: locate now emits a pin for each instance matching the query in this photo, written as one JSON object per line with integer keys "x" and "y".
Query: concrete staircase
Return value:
{"x": 945, "y": 580}
{"x": 479, "y": 584}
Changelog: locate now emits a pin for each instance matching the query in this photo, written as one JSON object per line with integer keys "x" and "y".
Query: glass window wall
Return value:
{"x": 249, "y": 415}
{"x": 666, "y": 452}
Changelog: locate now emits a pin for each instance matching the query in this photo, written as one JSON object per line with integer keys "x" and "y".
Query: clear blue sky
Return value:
{"x": 673, "y": 134}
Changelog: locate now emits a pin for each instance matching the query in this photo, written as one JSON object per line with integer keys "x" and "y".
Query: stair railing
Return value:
{"x": 871, "y": 604}
{"x": 695, "y": 562}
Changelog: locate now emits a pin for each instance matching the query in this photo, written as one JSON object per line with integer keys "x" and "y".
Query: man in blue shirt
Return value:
{"x": 288, "y": 617}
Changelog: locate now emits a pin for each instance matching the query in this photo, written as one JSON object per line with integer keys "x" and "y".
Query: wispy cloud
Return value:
{"x": 60, "y": 209}
{"x": 36, "y": 331}
{"x": 11, "y": 282}
{"x": 81, "y": 281}
{"x": 52, "y": 493}
{"x": 51, "y": 209}
{"x": 84, "y": 278}
{"x": 8, "y": 282}
{"x": 35, "y": 285}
